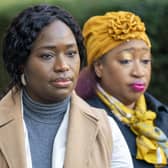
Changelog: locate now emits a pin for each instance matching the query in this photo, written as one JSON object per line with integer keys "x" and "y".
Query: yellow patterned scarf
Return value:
{"x": 152, "y": 143}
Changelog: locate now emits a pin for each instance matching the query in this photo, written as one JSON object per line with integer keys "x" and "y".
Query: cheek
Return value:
{"x": 76, "y": 73}
{"x": 116, "y": 79}
{"x": 116, "y": 73}
{"x": 148, "y": 77}
{"x": 148, "y": 73}
{"x": 75, "y": 66}
{"x": 37, "y": 72}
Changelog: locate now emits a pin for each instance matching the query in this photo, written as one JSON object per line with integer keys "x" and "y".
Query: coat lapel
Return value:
{"x": 82, "y": 132}
{"x": 11, "y": 131}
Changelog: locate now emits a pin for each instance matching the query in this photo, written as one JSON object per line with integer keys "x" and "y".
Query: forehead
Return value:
{"x": 130, "y": 45}
{"x": 55, "y": 33}
{"x": 137, "y": 44}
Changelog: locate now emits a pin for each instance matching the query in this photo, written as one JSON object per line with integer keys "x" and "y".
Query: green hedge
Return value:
{"x": 154, "y": 14}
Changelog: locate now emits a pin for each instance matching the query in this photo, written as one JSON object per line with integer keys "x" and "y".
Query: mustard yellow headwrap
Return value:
{"x": 103, "y": 33}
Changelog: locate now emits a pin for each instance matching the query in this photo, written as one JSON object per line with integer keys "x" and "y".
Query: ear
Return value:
{"x": 98, "y": 68}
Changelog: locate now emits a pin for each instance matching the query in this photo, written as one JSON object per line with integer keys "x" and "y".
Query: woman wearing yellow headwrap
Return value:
{"x": 116, "y": 79}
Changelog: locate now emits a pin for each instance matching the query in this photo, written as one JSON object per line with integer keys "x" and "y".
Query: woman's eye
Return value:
{"x": 125, "y": 61}
{"x": 71, "y": 53}
{"x": 46, "y": 56}
{"x": 146, "y": 61}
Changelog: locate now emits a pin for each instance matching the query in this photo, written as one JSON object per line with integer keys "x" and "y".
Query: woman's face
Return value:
{"x": 125, "y": 71}
{"x": 52, "y": 68}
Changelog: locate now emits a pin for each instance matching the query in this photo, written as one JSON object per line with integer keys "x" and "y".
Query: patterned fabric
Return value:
{"x": 152, "y": 143}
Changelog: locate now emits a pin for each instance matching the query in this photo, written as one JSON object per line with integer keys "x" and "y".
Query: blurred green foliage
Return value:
{"x": 153, "y": 13}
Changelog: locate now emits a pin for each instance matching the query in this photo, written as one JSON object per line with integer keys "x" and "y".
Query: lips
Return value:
{"x": 61, "y": 82}
{"x": 138, "y": 86}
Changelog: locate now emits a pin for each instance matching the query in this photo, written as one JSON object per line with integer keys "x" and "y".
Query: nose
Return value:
{"x": 138, "y": 70}
{"x": 60, "y": 64}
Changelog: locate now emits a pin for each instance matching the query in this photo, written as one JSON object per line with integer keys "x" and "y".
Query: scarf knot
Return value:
{"x": 151, "y": 141}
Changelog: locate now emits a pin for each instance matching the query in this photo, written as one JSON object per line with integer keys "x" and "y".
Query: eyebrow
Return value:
{"x": 53, "y": 46}
{"x": 130, "y": 49}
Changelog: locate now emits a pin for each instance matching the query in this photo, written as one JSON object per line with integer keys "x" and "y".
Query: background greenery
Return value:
{"x": 154, "y": 14}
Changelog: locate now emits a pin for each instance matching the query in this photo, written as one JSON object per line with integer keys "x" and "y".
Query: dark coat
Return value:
{"x": 161, "y": 122}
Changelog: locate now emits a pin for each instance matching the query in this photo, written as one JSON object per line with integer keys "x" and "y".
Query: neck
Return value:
{"x": 131, "y": 106}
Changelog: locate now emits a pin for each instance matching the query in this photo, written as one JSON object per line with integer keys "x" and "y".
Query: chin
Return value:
{"x": 135, "y": 98}
{"x": 62, "y": 95}
{"x": 131, "y": 98}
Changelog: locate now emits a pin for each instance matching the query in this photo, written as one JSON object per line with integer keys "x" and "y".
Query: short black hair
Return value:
{"x": 23, "y": 31}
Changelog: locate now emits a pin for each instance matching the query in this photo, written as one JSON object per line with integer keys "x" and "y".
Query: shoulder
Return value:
{"x": 92, "y": 100}
{"x": 93, "y": 116}
{"x": 10, "y": 106}
{"x": 93, "y": 113}
{"x": 95, "y": 102}
{"x": 85, "y": 105}
{"x": 154, "y": 104}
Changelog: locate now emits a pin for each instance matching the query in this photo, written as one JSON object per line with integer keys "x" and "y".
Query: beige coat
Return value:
{"x": 88, "y": 140}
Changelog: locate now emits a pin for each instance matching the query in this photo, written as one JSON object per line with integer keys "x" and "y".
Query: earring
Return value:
{"x": 23, "y": 81}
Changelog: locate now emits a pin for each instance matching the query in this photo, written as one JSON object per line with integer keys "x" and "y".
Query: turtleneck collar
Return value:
{"x": 45, "y": 113}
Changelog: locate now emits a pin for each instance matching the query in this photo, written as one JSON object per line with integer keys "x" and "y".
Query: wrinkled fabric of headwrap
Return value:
{"x": 103, "y": 33}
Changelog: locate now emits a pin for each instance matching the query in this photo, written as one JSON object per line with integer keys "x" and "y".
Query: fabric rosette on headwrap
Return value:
{"x": 103, "y": 33}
